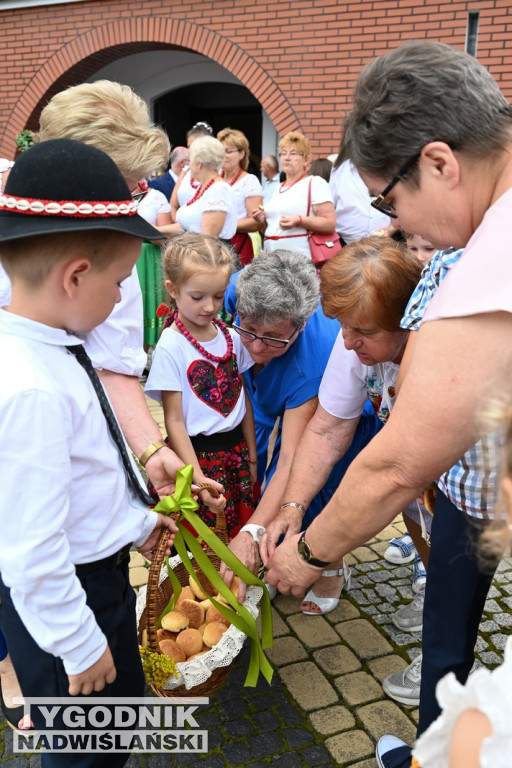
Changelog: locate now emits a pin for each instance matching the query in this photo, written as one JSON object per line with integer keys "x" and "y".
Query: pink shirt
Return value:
{"x": 482, "y": 279}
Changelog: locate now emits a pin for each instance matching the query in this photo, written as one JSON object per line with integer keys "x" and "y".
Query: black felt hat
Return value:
{"x": 62, "y": 185}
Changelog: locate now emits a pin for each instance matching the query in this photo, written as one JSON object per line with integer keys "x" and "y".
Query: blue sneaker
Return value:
{"x": 400, "y": 551}
{"x": 419, "y": 578}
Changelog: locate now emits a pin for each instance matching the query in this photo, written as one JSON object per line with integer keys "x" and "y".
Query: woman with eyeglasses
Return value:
{"x": 246, "y": 187}
{"x": 282, "y": 325}
{"x": 301, "y": 203}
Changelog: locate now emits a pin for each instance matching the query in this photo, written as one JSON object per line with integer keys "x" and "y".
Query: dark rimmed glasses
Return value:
{"x": 380, "y": 202}
{"x": 268, "y": 341}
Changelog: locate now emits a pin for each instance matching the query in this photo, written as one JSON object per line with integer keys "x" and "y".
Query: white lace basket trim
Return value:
{"x": 197, "y": 671}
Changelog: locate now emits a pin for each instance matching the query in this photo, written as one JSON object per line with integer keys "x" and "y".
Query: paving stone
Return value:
{"x": 279, "y": 627}
{"x": 392, "y": 531}
{"x": 379, "y": 547}
{"x": 265, "y": 721}
{"x": 136, "y": 559}
{"x": 236, "y": 753}
{"x": 363, "y": 638}
{"x": 481, "y": 644}
{"x": 358, "y": 688}
{"x": 503, "y": 619}
{"x": 386, "y": 717}
{"x": 234, "y": 708}
{"x": 317, "y": 755}
{"x": 35, "y": 762}
{"x": 289, "y": 714}
{"x": 317, "y": 693}
{"x": 488, "y": 626}
{"x": 365, "y": 554}
{"x": 364, "y": 763}
{"x": 264, "y": 745}
{"x": 499, "y": 641}
{"x": 289, "y": 760}
{"x": 491, "y": 658}
{"x": 344, "y": 611}
{"x": 332, "y": 720}
{"x": 345, "y": 747}
{"x": 491, "y": 606}
{"x": 237, "y": 729}
{"x": 286, "y": 650}
{"x": 297, "y": 737}
{"x": 313, "y": 631}
{"x": 287, "y": 604}
{"x": 138, "y": 576}
{"x": 381, "y": 576}
{"x": 386, "y": 665}
{"x": 337, "y": 660}
{"x": 367, "y": 566}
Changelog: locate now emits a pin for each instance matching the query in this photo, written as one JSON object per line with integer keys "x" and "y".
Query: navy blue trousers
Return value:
{"x": 455, "y": 595}
{"x": 112, "y": 599}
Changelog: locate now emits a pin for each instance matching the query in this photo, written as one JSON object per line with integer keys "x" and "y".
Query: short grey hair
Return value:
{"x": 420, "y": 92}
{"x": 208, "y": 151}
{"x": 278, "y": 285}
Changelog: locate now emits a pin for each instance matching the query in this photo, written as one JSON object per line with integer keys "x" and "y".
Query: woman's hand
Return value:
{"x": 246, "y": 549}
{"x": 288, "y": 222}
{"x": 287, "y": 522}
{"x": 258, "y": 215}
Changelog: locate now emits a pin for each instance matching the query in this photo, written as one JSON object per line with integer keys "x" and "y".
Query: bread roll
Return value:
{"x": 213, "y": 614}
{"x": 190, "y": 641}
{"x": 213, "y": 633}
{"x": 201, "y": 653}
{"x": 174, "y": 621}
{"x": 164, "y": 634}
{"x": 193, "y": 611}
{"x": 206, "y": 587}
{"x": 185, "y": 594}
{"x": 172, "y": 649}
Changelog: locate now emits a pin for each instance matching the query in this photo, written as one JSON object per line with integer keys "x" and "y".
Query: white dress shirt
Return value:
{"x": 65, "y": 498}
{"x": 355, "y": 217}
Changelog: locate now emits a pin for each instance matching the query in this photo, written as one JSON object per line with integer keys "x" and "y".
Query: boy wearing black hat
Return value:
{"x": 71, "y": 499}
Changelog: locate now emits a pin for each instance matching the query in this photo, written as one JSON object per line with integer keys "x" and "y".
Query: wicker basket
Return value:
{"x": 158, "y": 595}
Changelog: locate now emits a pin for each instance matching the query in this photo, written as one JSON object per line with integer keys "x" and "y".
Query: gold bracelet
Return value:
{"x": 150, "y": 450}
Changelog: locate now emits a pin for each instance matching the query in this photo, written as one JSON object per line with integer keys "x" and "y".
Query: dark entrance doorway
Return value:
{"x": 221, "y": 105}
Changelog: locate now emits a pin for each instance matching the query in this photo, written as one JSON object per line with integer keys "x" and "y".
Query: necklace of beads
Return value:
{"x": 214, "y": 358}
{"x": 284, "y": 188}
{"x": 200, "y": 192}
{"x": 235, "y": 178}
{"x": 193, "y": 183}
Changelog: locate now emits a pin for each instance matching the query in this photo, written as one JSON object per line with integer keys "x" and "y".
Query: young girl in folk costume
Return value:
{"x": 474, "y": 729}
{"x": 197, "y": 375}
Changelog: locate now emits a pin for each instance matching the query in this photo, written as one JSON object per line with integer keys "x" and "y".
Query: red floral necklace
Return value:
{"x": 283, "y": 184}
{"x": 200, "y": 192}
{"x": 214, "y": 358}
{"x": 235, "y": 178}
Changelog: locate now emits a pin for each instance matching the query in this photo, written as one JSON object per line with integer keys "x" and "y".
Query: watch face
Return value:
{"x": 304, "y": 550}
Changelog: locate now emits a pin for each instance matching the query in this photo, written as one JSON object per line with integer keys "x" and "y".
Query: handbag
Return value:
{"x": 322, "y": 245}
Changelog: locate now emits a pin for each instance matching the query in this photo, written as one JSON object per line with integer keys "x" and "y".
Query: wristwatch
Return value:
{"x": 307, "y": 555}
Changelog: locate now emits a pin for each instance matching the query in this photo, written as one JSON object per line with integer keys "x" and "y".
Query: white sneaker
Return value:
{"x": 400, "y": 551}
{"x": 404, "y": 686}
{"x": 409, "y": 618}
{"x": 419, "y": 578}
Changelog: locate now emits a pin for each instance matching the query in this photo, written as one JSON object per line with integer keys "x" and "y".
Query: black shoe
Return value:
{"x": 13, "y": 715}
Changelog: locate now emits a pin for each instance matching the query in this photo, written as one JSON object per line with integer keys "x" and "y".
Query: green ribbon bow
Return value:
{"x": 182, "y": 501}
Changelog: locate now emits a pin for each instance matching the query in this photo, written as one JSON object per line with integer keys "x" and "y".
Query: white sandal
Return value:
{"x": 328, "y": 604}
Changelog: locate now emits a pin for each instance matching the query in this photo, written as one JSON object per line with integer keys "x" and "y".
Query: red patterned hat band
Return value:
{"x": 68, "y": 208}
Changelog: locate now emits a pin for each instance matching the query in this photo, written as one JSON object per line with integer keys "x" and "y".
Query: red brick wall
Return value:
{"x": 299, "y": 58}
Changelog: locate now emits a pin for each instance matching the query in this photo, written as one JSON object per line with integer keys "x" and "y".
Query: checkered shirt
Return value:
{"x": 472, "y": 483}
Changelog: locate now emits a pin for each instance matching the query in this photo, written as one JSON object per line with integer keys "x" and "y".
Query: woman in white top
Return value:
{"x": 211, "y": 211}
{"x": 155, "y": 209}
{"x": 287, "y": 217}
{"x": 186, "y": 186}
{"x": 246, "y": 187}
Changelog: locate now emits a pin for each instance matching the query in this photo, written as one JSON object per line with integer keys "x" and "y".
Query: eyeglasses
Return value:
{"x": 292, "y": 154}
{"x": 142, "y": 189}
{"x": 230, "y": 151}
{"x": 268, "y": 341}
{"x": 379, "y": 202}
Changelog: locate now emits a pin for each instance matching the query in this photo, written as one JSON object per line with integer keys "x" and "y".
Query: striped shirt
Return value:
{"x": 472, "y": 483}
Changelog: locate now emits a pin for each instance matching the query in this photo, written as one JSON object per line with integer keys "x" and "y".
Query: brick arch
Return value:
{"x": 86, "y": 54}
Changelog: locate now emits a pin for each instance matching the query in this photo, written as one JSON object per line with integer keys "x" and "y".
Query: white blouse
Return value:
{"x": 489, "y": 692}
{"x": 246, "y": 186}
{"x": 153, "y": 204}
{"x": 218, "y": 197}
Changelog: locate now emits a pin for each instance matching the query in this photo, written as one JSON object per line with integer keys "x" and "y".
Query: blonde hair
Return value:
{"x": 298, "y": 141}
{"x": 190, "y": 253}
{"x": 208, "y": 151}
{"x": 236, "y": 140}
{"x": 373, "y": 278}
{"x": 111, "y": 117}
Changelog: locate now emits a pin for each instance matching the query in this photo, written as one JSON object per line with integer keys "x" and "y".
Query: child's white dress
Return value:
{"x": 488, "y": 691}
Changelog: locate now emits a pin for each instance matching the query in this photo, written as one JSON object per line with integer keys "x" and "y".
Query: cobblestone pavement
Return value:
{"x": 325, "y": 706}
